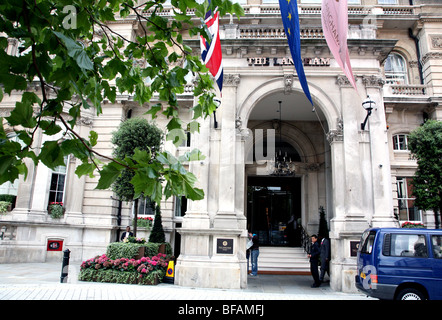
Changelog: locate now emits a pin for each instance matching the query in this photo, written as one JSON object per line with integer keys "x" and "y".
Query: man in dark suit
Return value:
{"x": 126, "y": 234}
{"x": 314, "y": 259}
{"x": 325, "y": 258}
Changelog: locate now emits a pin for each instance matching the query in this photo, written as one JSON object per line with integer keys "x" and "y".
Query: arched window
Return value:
{"x": 396, "y": 69}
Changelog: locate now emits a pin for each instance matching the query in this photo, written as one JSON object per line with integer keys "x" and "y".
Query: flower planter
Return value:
{"x": 162, "y": 248}
{"x": 141, "y": 251}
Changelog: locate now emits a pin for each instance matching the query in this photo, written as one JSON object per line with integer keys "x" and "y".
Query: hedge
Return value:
{"x": 116, "y": 250}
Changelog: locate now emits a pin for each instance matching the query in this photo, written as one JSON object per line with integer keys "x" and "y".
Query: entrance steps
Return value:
{"x": 283, "y": 260}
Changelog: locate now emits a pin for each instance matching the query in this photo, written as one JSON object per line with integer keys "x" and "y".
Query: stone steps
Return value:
{"x": 283, "y": 260}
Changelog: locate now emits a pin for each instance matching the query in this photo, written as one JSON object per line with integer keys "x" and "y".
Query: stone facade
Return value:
{"x": 352, "y": 173}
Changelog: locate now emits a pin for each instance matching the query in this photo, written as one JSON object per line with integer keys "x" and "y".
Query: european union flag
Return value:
{"x": 290, "y": 20}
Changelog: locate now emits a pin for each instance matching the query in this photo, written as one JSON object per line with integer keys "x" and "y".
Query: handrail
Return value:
{"x": 305, "y": 240}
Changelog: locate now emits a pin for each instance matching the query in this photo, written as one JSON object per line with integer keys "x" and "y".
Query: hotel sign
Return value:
{"x": 224, "y": 246}
{"x": 266, "y": 61}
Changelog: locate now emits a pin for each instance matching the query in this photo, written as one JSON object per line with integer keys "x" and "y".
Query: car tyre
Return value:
{"x": 410, "y": 294}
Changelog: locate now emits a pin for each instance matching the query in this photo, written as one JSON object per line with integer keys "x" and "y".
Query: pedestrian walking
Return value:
{"x": 254, "y": 253}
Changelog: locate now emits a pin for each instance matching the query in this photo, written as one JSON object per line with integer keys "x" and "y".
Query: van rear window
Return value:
{"x": 406, "y": 245}
{"x": 367, "y": 241}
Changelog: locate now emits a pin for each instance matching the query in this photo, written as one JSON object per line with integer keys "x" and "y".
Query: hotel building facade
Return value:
{"x": 359, "y": 176}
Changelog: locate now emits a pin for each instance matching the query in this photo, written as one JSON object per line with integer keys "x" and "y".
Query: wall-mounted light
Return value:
{"x": 217, "y": 103}
{"x": 368, "y": 104}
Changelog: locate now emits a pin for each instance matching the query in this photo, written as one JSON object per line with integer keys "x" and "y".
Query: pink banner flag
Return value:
{"x": 334, "y": 16}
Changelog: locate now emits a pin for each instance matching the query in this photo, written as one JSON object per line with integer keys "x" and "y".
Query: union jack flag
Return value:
{"x": 211, "y": 51}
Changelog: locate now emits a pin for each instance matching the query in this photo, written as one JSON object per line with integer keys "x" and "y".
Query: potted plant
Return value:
{"x": 144, "y": 222}
{"x": 412, "y": 225}
{"x": 56, "y": 210}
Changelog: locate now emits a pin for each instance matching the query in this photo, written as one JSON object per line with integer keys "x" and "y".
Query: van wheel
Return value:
{"x": 410, "y": 294}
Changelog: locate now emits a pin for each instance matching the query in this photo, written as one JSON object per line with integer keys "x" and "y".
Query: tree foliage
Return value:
{"x": 133, "y": 134}
{"x": 68, "y": 48}
{"x": 425, "y": 143}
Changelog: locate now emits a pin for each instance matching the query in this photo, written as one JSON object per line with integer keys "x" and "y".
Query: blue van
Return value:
{"x": 400, "y": 264}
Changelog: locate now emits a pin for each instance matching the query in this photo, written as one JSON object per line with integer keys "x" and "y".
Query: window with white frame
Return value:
{"x": 395, "y": 69}
{"x": 400, "y": 142}
{"x": 146, "y": 206}
{"x": 407, "y": 210}
{"x": 387, "y": 2}
{"x": 58, "y": 183}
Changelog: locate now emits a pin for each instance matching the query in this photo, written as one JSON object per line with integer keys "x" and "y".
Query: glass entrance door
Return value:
{"x": 274, "y": 210}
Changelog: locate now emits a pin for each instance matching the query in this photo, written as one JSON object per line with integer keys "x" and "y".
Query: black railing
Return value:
{"x": 305, "y": 240}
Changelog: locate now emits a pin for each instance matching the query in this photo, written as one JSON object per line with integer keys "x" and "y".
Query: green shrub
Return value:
{"x": 7, "y": 197}
{"x": 116, "y": 250}
{"x": 4, "y": 206}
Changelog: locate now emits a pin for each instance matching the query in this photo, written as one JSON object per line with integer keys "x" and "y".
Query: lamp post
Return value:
{"x": 368, "y": 104}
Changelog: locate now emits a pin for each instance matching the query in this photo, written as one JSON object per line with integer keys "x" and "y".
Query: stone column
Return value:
{"x": 226, "y": 216}
{"x": 211, "y": 251}
{"x": 383, "y": 215}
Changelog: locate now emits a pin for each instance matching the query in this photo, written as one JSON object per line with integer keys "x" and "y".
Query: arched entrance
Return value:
{"x": 279, "y": 209}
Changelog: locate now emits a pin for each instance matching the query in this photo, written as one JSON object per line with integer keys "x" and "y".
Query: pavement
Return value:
{"x": 41, "y": 281}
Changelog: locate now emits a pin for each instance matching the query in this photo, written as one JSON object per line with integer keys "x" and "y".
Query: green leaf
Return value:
{"x": 23, "y": 111}
{"x": 76, "y": 51}
{"x": 51, "y": 155}
{"x": 93, "y": 137}
{"x": 108, "y": 175}
{"x": 85, "y": 169}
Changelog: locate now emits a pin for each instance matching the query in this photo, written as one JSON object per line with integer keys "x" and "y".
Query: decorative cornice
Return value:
{"x": 431, "y": 55}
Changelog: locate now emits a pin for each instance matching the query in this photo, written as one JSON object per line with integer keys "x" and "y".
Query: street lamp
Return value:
{"x": 368, "y": 104}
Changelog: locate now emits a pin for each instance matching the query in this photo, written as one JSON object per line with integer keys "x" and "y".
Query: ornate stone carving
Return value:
{"x": 231, "y": 80}
{"x": 436, "y": 41}
{"x": 312, "y": 167}
{"x": 343, "y": 81}
{"x": 288, "y": 81}
{"x": 338, "y": 133}
{"x": 373, "y": 81}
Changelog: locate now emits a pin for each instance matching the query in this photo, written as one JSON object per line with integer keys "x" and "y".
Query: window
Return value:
{"x": 387, "y": 1}
{"x": 180, "y": 206}
{"x": 407, "y": 210}
{"x": 395, "y": 69}
{"x": 186, "y": 143}
{"x": 400, "y": 142}
{"x": 367, "y": 242}
{"x": 56, "y": 189}
{"x": 408, "y": 245}
{"x": 146, "y": 206}
{"x": 437, "y": 250}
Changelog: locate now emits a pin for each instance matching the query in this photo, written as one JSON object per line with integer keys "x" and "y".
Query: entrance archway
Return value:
{"x": 300, "y": 132}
